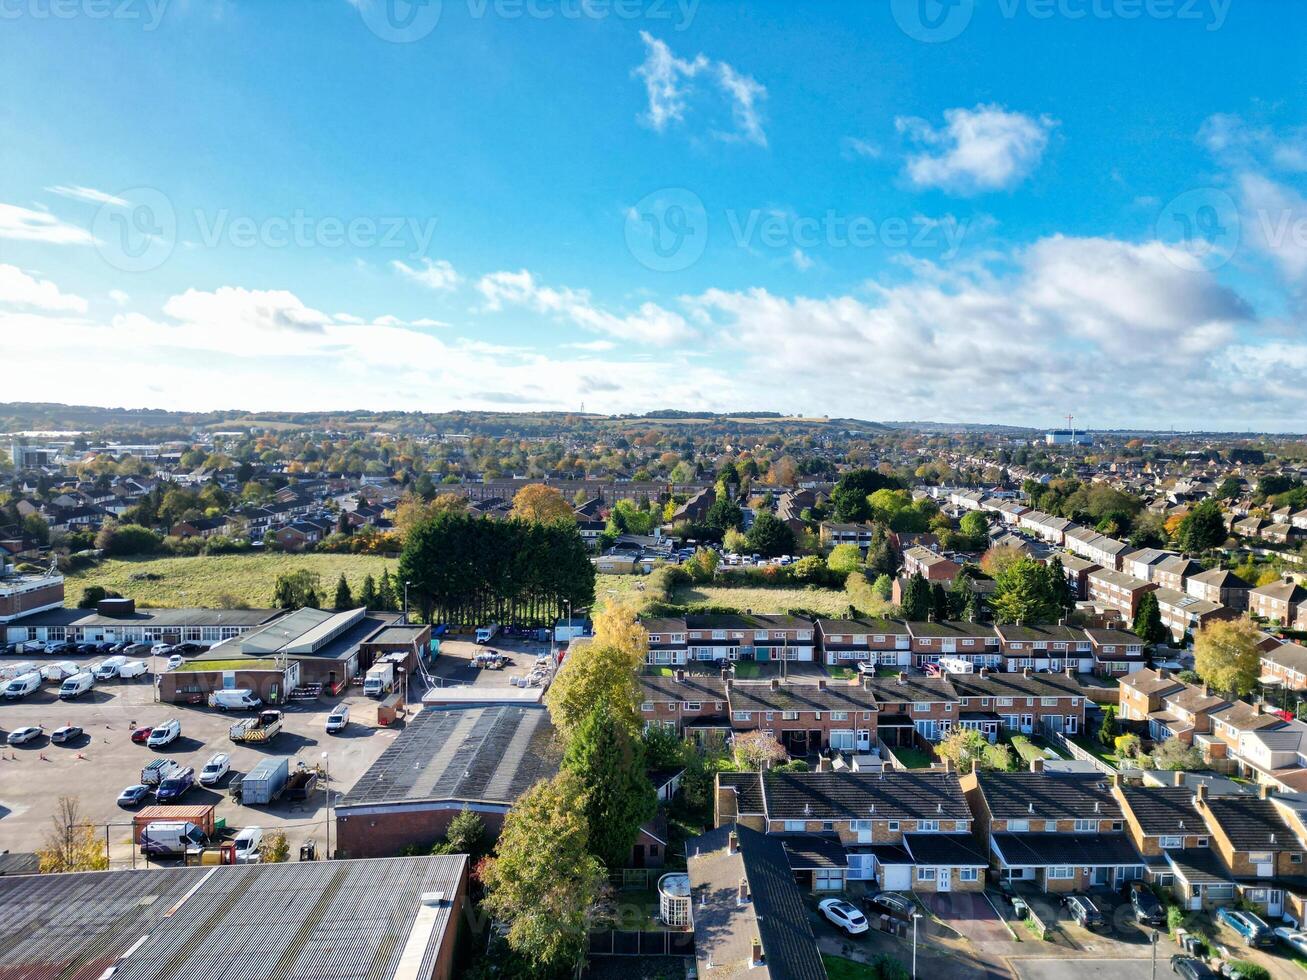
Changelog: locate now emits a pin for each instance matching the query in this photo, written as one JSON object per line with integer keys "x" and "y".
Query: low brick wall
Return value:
{"x": 387, "y": 833}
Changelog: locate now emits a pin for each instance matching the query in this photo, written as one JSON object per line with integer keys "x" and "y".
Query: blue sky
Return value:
{"x": 992, "y": 211}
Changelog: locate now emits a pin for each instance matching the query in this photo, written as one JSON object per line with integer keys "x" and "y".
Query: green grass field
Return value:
{"x": 217, "y": 580}
{"x": 829, "y": 602}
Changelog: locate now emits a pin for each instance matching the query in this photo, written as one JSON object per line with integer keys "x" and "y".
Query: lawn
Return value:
{"x": 1096, "y": 749}
{"x": 761, "y": 599}
{"x": 218, "y": 580}
{"x": 913, "y": 758}
{"x": 207, "y": 665}
{"x": 839, "y": 968}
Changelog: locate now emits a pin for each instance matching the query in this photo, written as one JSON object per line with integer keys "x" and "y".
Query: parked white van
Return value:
{"x": 76, "y": 686}
{"x": 170, "y": 837}
{"x": 248, "y": 842}
{"x": 107, "y": 670}
{"x": 21, "y": 687}
{"x": 60, "y": 671}
{"x": 237, "y": 699}
{"x": 9, "y": 671}
{"x": 133, "y": 668}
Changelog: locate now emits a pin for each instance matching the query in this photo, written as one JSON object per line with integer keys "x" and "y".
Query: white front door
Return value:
{"x": 864, "y": 740}
{"x": 944, "y": 879}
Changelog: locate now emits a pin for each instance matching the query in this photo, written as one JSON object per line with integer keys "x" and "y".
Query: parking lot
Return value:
{"x": 456, "y": 663}
{"x": 97, "y": 767}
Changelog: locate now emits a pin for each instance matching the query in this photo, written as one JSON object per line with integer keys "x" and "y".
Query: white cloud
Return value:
{"x": 745, "y": 93}
{"x": 668, "y": 83}
{"x": 982, "y": 149}
{"x": 665, "y": 77}
{"x": 650, "y": 324}
{"x": 26, "y": 225}
{"x": 855, "y": 146}
{"x": 90, "y": 194}
{"x": 119, "y": 297}
{"x": 801, "y": 260}
{"x": 437, "y": 274}
{"x": 17, "y": 288}
{"x": 591, "y": 345}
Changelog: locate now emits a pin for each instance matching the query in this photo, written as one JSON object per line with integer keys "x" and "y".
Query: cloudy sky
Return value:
{"x": 1005, "y": 211}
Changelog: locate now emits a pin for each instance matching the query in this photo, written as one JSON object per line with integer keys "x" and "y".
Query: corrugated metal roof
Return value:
{"x": 343, "y": 920}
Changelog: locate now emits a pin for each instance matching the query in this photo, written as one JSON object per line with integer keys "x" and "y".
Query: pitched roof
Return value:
{"x": 1085, "y": 850}
{"x": 953, "y": 850}
{"x": 1042, "y": 796}
{"x": 754, "y": 696}
{"x": 1164, "y": 809}
{"x": 860, "y": 795}
{"x": 1252, "y": 823}
{"x": 724, "y": 927}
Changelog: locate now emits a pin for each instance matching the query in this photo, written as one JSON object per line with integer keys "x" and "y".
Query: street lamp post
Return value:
{"x": 406, "y": 585}
{"x": 915, "y": 917}
{"x": 326, "y": 778}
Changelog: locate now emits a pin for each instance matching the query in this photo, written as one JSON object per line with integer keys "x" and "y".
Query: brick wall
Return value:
{"x": 388, "y": 833}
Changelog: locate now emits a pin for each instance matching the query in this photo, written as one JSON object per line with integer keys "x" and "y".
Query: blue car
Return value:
{"x": 133, "y": 795}
{"x": 175, "y": 786}
{"x": 1254, "y": 931}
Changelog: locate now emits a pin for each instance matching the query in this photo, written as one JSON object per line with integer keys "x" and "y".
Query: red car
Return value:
{"x": 140, "y": 735}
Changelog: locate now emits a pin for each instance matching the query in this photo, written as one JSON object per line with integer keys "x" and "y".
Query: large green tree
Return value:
{"x": 770, "y": 536}
{"x": 849, "y": 497}
{"x": 607, "y": 758}
{"x": 1202, "y": 529}
{"x": 1148, "y": 621}
{"x": 1021, "y": 594}
{"x": 725, "y": 514}
{"x": 543, "y": 881}
{"x": 916, "y": 603}
{"x": 1226, "y": 655}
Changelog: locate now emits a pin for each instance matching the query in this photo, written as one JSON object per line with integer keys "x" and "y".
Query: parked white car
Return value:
{"x": 844, "y": 916}
{"x": 175, "y": 661}
{"x": 25, "y": 734}
{"x": 338, "y": 720}
{"x": 248, "y": 842}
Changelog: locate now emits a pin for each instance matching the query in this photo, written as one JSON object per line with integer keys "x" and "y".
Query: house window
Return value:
{"x": 1018, "y": 826}
{"x": 969, "y": 874}
{"x": 925, "y": 874}
{"x": 693, "y": 706}
{"x": 857, "y": 825}
{"x": 789, "y": 716}
{"x": 1171, "y": 841}
{"x": 655, "y": 638}
{"x": 796, "y": 825}
{"x": 647, "y": 706}
{"x": 1086, "y": 826}
{"x": 1061, "y": 873}
{"x": 839, "y": 716}
{"x": 1204, "y": 841}
{"x": 927, "y": 826}
{"x": 921, "y": 706}
{"x": 741, "y": 715}
{"x": 1295, "y": 858}
{"x": 892, "y": 825}
{"x": 1005, "y": 702}
{"x": 1048, "y": 702}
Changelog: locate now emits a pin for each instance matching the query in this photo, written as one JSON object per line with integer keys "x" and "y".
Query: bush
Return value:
{"x": 1174, "y": 918}
{"x": 127, "y": 539}
{"x": 888, "y": 968}
{"x": 1127, "y": 746}
{"x": 1250, "y": 971}
{"x": 275, "y": 848}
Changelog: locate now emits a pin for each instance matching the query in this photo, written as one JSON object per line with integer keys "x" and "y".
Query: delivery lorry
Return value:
{"x": 264, "y": 728}
{"x": 380, "y": 680}
{"x": 265, "y": 783}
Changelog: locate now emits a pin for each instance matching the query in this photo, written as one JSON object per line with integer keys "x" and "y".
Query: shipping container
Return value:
{"x": 202, "y": 815}
{"x": 265, "y": 782}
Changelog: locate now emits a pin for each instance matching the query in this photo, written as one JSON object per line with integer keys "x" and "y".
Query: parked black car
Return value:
{"x": 1147, "y": 908}
{"x": 1084, "y": 911}
{"x": 1191, "y": 968}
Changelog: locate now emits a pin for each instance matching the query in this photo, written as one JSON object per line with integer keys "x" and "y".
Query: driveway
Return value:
{"x": 969, "y": 914}
{"x": 1083, "y": 969}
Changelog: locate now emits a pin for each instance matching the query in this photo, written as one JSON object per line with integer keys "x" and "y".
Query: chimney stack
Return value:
{"x": 1027, "y": 672}
{"x": 756, "y": 957}
{"x": 1070, "y": 670}
{"x": 680, "y": 675}
{"x": 726, "y": 672}
{"x": 775, "y": 683}
{"x": 1036, "y": 765}
{"x": 1163, "y": 673}
{"x": 1116, "y": 780}
{"x": 1264, "y": 791}
{"x": 732, "y": 843}
{"x": 1177, "y": 778}
{"x": 903, "y": 677}
{"x": 984, "y": 671}
{"x": 1201, "y": 792}
{"x": 742, "y": 894}
{"x": 824, "y": 765}
{"x": 821, "y": 684}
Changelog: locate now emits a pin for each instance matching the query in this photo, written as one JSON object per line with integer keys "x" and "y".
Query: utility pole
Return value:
{"x": 326, "y": 783}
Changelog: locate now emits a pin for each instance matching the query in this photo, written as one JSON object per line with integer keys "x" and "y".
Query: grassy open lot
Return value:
{"x": 219, "y": 579}
{"x": 828, "y": 602}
